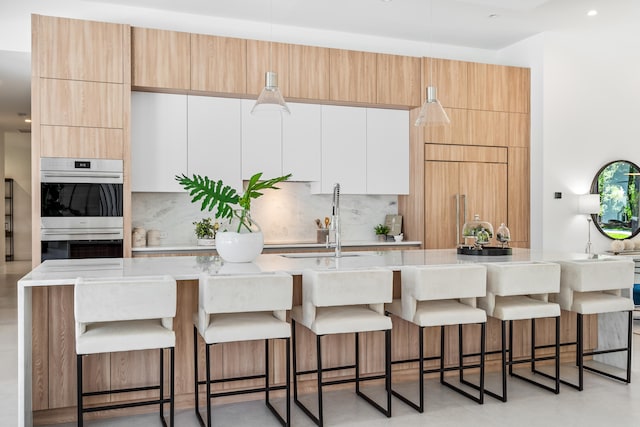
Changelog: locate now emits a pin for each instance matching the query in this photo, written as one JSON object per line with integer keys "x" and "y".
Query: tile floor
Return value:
{"x": 603, "y": 402}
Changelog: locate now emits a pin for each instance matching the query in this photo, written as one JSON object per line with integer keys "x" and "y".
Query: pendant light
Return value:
{"x": 270, "y": 99}
{"x": 431, "y": 113}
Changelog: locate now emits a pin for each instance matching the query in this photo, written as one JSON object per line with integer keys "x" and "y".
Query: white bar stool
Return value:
{"x": 341, "y": 302}
{"x": 120, "y": 314}
{"x": 442, "y": 295}
{"x": 594, "y": 287}
{"x": 518, "y": 291}
{"x": 242, "y": 308}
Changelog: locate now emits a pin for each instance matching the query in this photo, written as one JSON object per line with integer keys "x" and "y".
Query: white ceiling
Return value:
{"x": 464, "y": 23}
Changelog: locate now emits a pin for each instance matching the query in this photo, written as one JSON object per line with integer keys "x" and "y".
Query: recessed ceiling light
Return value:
{"x": 592, "y": 12}
{"x": 386, "y": 1}
{"x": 493, "y": 15}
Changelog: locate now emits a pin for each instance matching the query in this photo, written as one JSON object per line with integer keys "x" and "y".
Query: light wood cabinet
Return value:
{"x": 81, "y": 142}
{"x": 488, "y": 128}
{"x": 519, "y": 130}
{"x": 213, "y": 142}
{"x": 80, "y": 50}
{"x": 450, "y": 79}
{"x": 158, "y": 141}
{"x": 519, "y": 80}
{"x": 456, "y": 132}
{"x": 218, "y": 64}
{"x": 499, "y": 88}
{"x": 160, "y": 59}
{"x": 519, "y": 195}
{"x": 352, "y": 76}
{"x": 398, "y": 80}
{"x": 80, "y": 103}
{"x": 455, "y": 192}
{"x": 308, "y": 72}
{"x": 263, "y": 56}
{"x": 387, "y": 151}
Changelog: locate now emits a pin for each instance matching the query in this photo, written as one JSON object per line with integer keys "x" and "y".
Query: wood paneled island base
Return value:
{"x": 53, "y": 348}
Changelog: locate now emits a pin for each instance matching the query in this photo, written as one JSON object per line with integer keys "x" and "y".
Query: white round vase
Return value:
{"x": 240, "y": 240}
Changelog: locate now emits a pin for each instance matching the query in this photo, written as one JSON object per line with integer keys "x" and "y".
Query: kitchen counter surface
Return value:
{"x": 61, "y": 272}
{"x": 275, "y": 246}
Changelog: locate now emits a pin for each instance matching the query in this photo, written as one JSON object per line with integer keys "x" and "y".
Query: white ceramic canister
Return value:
{"x": 139, "y": 237}
{"x": 153, "y": 238}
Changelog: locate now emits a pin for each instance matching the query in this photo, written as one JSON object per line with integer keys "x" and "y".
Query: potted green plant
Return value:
{"x": 239, "y": 238}
{"x": 381, "y": 231}
{"x": 205, "y": 230}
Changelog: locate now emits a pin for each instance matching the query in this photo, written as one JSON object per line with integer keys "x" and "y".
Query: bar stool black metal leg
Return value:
{"x": 629, "y": 345}
{"x": 161, "y": 384}
{"x": 357, "y": 343}
{"x": 483, "y": 328}
{"x": 460, "y": 353}
{"x": 421, "y": 376}
{"x": 510, "y": 347}
{"x": 533, "y": 345}
{"x": 442, "y": 337}
{"x": 266, "y": 371}
{"x": 557, "y": 379}
{"x": 504, "y": 360}
{"x": 580, "y": 351}
{"x": 295, "y": 361}
{"x": 195, "y": 368}
{"x": 319, "y": 362}
{"x": 79, "y": 395}
{"x": 208, "y": 370}
{"x": 387, "y": 360}
{"x": 288, "y": 376}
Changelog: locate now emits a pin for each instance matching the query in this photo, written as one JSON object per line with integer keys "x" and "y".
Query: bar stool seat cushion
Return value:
{"x": 343, "y": 319}
{"x": 441, "y": 312}
{"x": 599, "y": 302}
{"x": 107, "y": 337}
{"x": 231, "y": 327}
{"x": 517, "y": 307}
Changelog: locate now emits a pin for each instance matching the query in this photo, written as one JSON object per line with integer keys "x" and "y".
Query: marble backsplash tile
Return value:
{"x": 286, "y": 215}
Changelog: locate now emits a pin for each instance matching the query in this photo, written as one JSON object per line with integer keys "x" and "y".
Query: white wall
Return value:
{"x": 17, "y": 165}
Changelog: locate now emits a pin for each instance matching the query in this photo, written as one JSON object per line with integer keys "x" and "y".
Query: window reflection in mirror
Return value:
{"x": 618, "y": 184}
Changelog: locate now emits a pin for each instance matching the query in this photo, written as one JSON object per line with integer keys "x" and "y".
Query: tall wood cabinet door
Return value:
{"x": 80, "y": 50}
{"x": 441, "y": 188}
{"x": 519, "y": 195}
{"x": 352, "y": 76}
{"x": 398, "y": 80}
{"x": 484, "y": 187}
{"x": 308, "y": 72}
{"x": 261, "y": 142}
{"x": 450, "y": 79}
{"x": 218, "y": 64}
{"x": 158, "y": 141}
{"x": 160, "y": 59}
{"x": 263, "y": 56}
{"x": 519, "y": 130}
{"x": 488, "y": 87}
{"x": 214, "y": 132}
{"x": 519, "y": 80}
{"x": 302, "y": 142}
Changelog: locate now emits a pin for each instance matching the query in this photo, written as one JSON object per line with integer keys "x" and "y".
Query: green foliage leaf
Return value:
{"x": 212, "y": 194}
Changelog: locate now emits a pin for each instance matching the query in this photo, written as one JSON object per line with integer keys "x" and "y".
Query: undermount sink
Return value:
{"x": 324, "y": 255}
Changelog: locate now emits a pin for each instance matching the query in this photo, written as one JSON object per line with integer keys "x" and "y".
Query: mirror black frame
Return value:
{"x": 596, "y": 190}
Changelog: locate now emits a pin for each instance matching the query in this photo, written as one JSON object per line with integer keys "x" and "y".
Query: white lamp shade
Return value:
{"x": 589, "y": 204}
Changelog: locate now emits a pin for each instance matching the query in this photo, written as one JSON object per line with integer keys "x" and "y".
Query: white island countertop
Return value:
{"x": 64, "y": 272}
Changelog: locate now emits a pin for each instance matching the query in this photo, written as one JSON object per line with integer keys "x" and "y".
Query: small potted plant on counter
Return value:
{"x": 381, "y": 232}
{"x": 205, "y": 230}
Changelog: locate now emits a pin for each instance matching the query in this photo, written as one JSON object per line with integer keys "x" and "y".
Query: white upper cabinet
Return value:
{"x": 158, "y": 141}
{"x": 387, "y": 151}
{"x": 301, "y": 142}
{"x": 214, "y": 130}
{"x": 344, "y": 145}
{"x": 261, "y": 142}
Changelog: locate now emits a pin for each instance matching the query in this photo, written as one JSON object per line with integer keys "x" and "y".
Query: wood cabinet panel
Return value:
{"x": 218, "y": 64}
{"x": 308, "y": 72}
{"x": 40, "y": 346}
{"x": 77, "y": 103}
{"x": 519, "y": 130}
{"x": 441, "y": 185}
{"x": 487, "y": 87}
{"x": 484, "y": 186}
{"x": 95, "y": 143}
{"x": 161, "y": 59}
{"x": 263, "y": 56}
{"x": 456, "y": 132}
{"x": 450, "y": 79}
{"x": 80, "y": 50}
{"x": 456, "y": 153}
{"x": 352, "y": 76}
{"x": 398, "y": 80}
{"x": 519, "y": 80}
{"x": 519, "y": 194}
{"x": 62, "y": 350}
{"x": 488, "y": 128}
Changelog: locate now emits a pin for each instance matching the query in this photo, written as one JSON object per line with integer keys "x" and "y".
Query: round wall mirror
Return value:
{"x": 617, "y": 183}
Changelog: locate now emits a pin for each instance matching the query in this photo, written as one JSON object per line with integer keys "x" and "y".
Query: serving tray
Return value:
{"x": 484, "y": 251}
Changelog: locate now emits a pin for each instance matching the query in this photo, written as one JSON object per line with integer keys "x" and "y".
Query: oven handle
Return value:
{"x": 84, "y": 234}
{"x": 94, "y": 177}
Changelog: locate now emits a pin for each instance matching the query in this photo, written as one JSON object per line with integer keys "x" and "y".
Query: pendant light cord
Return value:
{"x": 270, "y": 35}
{"x": 430, "y": 42}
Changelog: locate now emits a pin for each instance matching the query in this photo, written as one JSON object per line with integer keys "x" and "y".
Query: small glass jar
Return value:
{"x": 479, "y": 231}
{"x": 503, "y": 235}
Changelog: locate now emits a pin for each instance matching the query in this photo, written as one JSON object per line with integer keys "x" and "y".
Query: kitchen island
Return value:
{"x": 46, "y": 347}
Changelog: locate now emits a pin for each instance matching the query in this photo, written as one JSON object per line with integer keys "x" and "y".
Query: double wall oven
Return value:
{"x": 81, "y": 208}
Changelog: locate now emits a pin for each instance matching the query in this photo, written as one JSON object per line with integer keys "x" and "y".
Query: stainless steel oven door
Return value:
{"x": 103, "y": 228}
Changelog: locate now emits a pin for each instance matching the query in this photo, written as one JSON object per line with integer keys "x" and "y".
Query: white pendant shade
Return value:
{"x": 270, "y": 99}
{"x": 432, "y": 113}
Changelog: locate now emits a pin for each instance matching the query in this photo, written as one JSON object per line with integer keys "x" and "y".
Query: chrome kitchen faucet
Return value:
{"x": 335, "y": 220}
